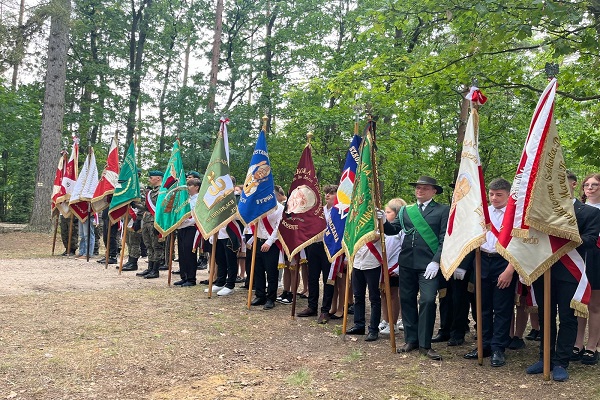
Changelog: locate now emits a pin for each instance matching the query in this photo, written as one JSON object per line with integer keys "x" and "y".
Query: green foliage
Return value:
{"x": 20, "y": 113}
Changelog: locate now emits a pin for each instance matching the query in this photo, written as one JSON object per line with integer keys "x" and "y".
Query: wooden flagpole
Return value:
{"x": 171, "y": 245}
{"x": 89, "y": 233}
{"x": 295, "y": 279}
{"x": 55, "y": 232}
{"x": 546, "y": 336}
{"x": 213, "y": 267}
{"x": 384, "y": 260}
{"x": 70, "y": 234}
{"x": 346, "y": 297}
{"x": 123, "y": 240}
{"x": 251, "y": 280}
{"x": 478, "y": 306}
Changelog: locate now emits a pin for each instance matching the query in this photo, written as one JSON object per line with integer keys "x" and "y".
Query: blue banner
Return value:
{"x": 258, "y": 193}
{"x": 335, "y": 226}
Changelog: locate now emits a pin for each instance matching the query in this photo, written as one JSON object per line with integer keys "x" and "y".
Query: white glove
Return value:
{"x": 522, "y": 280}
{"x": 459, "y": 274}
{"x": 432, "y": 270}
{"x": 380, "y": 214}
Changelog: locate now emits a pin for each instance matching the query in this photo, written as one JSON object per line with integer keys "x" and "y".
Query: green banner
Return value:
{"x": 361, "y": 222}
{"x": 216, "y": 205}
{"x": 128, "y": 186}
{"x": 173, "y": 202}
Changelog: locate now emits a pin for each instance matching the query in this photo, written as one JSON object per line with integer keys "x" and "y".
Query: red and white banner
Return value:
{"x": 539, "y": 226}
{"x": 57, "y": 187}
{"x": 108, "y": 180}
{"x": 83, "y": 190}
{"x": 68, "y": 180}
{"x": 469, "y": 211}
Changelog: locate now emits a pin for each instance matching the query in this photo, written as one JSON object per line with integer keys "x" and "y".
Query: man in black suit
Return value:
{"x": 562, "y": 288}
{"x": 424, "y": 225}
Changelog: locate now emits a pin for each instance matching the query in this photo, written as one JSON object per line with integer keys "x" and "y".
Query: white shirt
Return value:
{"x": 190, "y": 221}
{"x": 274, "y": 219}
{"x": 365, "y": 259}
{"x": 496, "y": 217}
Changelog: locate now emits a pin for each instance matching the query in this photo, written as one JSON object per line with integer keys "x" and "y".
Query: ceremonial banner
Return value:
{"x": 84, "y": 188}
{"x": 361, "y": 222}
{"x": 334, "y": 232}
{"x": 128, "y": 187}
{"x": 109, "y": 179}
{"x": 57, "y": 187}
{"x": 68, "y": 180}
{"x": 173, "y": 202}
{"x": 216, "y": 206}
{"x": 257, "y": 198}
{"x": 303, "y": 220}
{"x": 469, "y": 210}
{"x": 539, "y": 225}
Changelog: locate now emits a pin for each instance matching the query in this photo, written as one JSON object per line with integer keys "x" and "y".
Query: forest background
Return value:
{"x": 146, "y": 69}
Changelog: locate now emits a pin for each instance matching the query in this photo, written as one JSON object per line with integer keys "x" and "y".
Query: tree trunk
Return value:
{"x": 216, "y": 51}
{"x": 52, "y": 116}
{"x": 20, "y": 47}
{"x": 136, "y": 52}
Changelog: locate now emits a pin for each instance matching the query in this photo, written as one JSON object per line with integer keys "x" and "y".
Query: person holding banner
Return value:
{"x": 498, "y": 282}
{"x": 156, "y": 249}
{"x": 267, "y": 258}
{"x": 318, "y": 265}
{"x": 185, "y": 240}
{"x": 424, "y": 225}
{"x": 563, "y": 286}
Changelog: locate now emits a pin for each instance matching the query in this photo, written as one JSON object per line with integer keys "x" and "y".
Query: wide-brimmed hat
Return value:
{"x": 427, "y": 180}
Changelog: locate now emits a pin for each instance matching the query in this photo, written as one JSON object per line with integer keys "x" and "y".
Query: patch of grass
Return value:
{"x": 299, "y": 378}
{"x": 354, "y": 355}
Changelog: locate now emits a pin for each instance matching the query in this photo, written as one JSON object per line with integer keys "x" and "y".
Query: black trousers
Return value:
{"x": 418, "y": 321}
{"x": 187, "y": 257}
{"x": 460, "y": 306}
{"x": 266, "y": 264}
{"x": 114, "y": 236}
{"x": 361, "y": 280}
{"x": 318, "y": 264}
{"x": 497, "y": 305}
{"x": 561, "y": 342}
{"x": 226, "y": 260}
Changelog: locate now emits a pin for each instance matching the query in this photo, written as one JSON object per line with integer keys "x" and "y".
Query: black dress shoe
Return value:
{"x": 112, "y": 260}
{"x": 100, "y": 261}
{"x": 430, "y": 353}
{"x": 456, "y": 342}
{"x": 498, "y": 358}
{"x": 307, "y": 312}
{"x": 473, "y": 355}
{"x": 355, "y": 330}
{"x": 533, "y": 334}
{"x": 176, "y": 272}
{"x": 188, "y": 284}
{"x": 179, "y": 283}
{"x": 258, "y": 301}
{"x": 371, "y": 337}
{"x": 408, "y": 347}
{"x": 440, "y": 337}
{"x": 130, "y": 267}
{"x": 269, "y": 304}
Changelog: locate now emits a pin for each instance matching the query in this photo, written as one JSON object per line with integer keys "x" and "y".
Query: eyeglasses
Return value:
{"x": 591, "y": 185}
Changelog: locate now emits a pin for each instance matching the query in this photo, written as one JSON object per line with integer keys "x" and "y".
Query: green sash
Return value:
{"x": 420, "y": 225}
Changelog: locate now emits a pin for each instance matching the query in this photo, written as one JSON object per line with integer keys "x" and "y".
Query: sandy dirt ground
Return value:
{"x": 75, "y": 330}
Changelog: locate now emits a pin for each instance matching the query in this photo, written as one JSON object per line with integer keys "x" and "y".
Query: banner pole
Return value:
{"x": 171, "y": 246}
{"x": 212, "y": 266}
{"x": 123, "y": 241}
{"x": 546, "y": 335}
{"x": 478, "y": 307}
{"x": 55, "y": 232}
{"x": 251, "y": 280}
